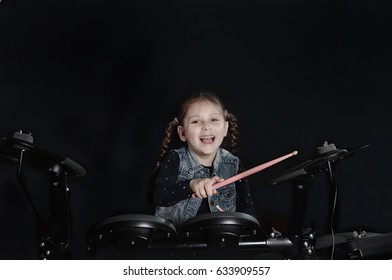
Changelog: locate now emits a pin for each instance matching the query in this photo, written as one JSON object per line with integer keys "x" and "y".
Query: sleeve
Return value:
{"x": 167, "y": 190}
{"x": 244, "y": 198}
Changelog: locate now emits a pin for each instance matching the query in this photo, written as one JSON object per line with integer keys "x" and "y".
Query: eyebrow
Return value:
{"x": 211, "y": 115}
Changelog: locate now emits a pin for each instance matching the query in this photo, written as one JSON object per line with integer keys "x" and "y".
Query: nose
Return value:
{"x": 206, "y": 126}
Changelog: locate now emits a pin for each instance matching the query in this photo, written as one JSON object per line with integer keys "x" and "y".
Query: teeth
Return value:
{"x": 207, "y": 137}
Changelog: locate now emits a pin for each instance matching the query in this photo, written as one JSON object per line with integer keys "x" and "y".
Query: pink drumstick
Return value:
{"x": 252, "y": 171}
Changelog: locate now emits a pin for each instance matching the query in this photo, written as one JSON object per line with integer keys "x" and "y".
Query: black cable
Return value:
{"x": 23, "y": 184}
{"x": 333, "y": 181}
{"x": 37, "y": 214}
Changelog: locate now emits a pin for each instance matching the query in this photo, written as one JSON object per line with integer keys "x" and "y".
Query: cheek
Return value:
{"x": 192, "y": 133}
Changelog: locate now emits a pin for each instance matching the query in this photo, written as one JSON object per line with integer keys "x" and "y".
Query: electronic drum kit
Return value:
{"x": 222, "y": 235}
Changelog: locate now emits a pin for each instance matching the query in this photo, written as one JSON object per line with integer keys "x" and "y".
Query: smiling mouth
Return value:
{"x": 207, "y": 139}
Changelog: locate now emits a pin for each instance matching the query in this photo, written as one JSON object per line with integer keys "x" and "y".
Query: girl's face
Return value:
{"x": 204, "y": 129}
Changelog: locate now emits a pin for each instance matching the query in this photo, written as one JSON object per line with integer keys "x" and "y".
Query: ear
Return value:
{"x": 181, "y": 133}
{"x": 226, "y": 127}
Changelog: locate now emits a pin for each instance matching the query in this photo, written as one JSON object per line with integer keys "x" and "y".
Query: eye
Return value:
{"x": 194, "y": 121}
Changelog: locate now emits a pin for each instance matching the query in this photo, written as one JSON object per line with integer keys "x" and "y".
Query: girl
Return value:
{"x": 205, "y": 137}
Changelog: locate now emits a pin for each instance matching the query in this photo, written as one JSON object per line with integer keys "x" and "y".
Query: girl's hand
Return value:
{"x": 202, "y": 188}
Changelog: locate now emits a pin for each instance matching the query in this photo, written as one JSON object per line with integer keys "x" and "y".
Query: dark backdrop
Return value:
{"x": 97, "y": 82}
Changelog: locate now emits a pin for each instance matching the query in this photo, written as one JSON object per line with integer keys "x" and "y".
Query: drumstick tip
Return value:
{"x": 295, "y": 153}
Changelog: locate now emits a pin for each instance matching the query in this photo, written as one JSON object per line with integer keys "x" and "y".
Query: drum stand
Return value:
{"x": 298, "y": 175}
{"x": 60, "y": 215}
{"x": 53, "y": 234}
{"x": 304, "y": 238}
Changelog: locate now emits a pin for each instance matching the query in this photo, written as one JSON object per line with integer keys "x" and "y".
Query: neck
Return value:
{"x": 205, "y": 160}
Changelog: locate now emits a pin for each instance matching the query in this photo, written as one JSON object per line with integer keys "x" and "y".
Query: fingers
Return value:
{"x": 201, "y": 192}
{"x": 204, "y": 191}
{"x": 202, "y": 188}
{"x": 197, "y": 187}
{"x": 216, "y": 179}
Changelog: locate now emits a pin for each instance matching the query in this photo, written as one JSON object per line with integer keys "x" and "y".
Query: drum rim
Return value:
{"x": 206, "y": 220}
{"x": 324, "y": 241}
{"x": 145, "y": 221}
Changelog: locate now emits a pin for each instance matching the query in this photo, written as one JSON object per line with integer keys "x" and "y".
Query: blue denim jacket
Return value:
{"x": 225, "y": 165}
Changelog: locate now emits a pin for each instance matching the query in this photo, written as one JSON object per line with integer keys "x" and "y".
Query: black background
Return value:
{"x": 97, "y": 82}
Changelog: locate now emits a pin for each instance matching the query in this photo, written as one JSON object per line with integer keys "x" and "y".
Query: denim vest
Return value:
{"x": 225, "y": 165}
